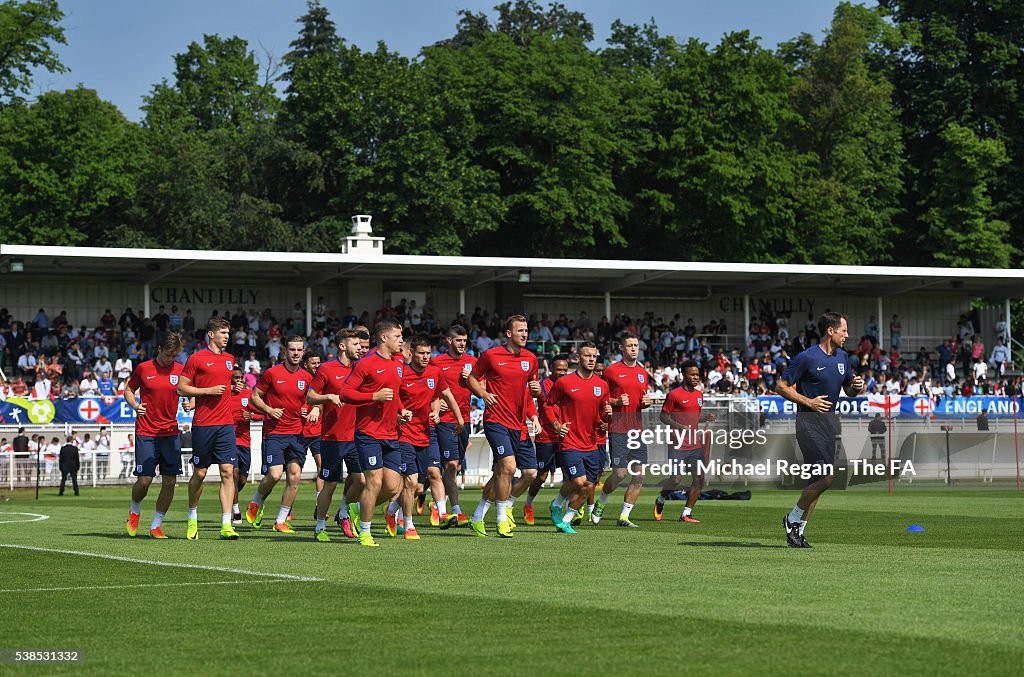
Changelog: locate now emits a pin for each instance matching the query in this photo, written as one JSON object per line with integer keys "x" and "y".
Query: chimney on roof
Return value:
{"x": 362, "y": 241}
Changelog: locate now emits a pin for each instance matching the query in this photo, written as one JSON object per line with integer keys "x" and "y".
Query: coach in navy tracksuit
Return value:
{"x": 813, "y": 382}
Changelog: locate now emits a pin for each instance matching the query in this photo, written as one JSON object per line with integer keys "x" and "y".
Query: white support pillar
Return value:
{"x": 309, "y": 311}
{"x": 462, "y": 302}
{"x": 746, "y": 322}
{"x": 881, "y": 326}
{"x": 145, "y": 300}
{"x": 608, "y": 305}
{"x": 1009, "y": 332}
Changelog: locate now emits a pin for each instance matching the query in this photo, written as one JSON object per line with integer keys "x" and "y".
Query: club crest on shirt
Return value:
{"x": 302, "y": 385}
{"x": 641, "y": 377}
{"x": 174, "y": 379}
{"x": 525, "y": 364}
{"x": 597, "y": 391}
{"x": 430, "y": 383}
{"x": 245, "y": 401}
{"x": 230, "y": 365}
{"x": 399, "y": 371}
{"x": 466, "y": 368}
{"x": 700, "y": 401}
{"x": 842, "y": 368}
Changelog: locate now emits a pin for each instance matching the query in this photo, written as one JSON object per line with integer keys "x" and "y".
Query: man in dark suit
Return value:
{"x": 69, "y": 465}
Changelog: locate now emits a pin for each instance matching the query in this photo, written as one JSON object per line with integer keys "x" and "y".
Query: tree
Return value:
{"x": 216, "y": 86}
{"x": 848, "y": 198}
{"x": 961, "y": 68}
{"x": 544, "y": 127}
{"x": 28, "y": 32}
{"x": 963, "y": 230}
{"x": 68, "y": 167}
{"x": 318, "y": 36}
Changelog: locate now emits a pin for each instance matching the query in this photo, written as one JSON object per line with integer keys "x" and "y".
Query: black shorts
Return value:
{"x": 816, "y": 437}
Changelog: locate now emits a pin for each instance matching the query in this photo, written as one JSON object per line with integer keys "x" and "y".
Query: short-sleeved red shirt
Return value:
{"x": 283, "y": 389}
{"x": 581, "y": 402}
{"x": 506, "y": 375}
{"x": 207, "y": 369}
{"x": 158, "y": 389}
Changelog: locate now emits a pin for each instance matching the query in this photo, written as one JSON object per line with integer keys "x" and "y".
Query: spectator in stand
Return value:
{"x": 1001, "y": 327}
{"x": 188, "y": 323}
{"x": 27, "y": 365}
{"x": 41, "y": 387}
{"x": 252, "y": 362}
{"x": 105, "y": 384}
{"x": 161, "y": 322}
{"x": 896, "y": 331}
{"x": 123, "y": 368}
{"x": 999, "y": 358}
{"x": 61, "y": 320}
{"x": 483, "y": 343}
{"x": 251, "y": 377}
{"x": 951, "y": 371}
{"x": 871, "y": 329}
{"x": 42, "y": 320}
{"x": 49, "y": 345}
{"x": 980, "y": 370}
{"x": 107, "y": 319}
{"x": 14, "y": 347}
{"x": 174, "y": 319}
{"x": 88, "y": 386}
{"x": 274, "y": 348}
{"x": 103, "y": 365}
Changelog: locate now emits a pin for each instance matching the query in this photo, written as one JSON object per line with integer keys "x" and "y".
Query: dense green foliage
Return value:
{"x": 896, "y": 138}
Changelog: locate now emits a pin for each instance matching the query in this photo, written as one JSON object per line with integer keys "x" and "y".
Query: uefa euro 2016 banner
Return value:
{"x": 774, "y": 406}
{"x": 98, "y": 410}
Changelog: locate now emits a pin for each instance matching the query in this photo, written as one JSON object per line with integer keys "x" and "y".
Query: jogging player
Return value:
{"x": 281, "y": 397}
{"x": 421, "y": 386}
{"x": 546, "y": 441}
{"x": 312, "y": 424}
{"x": 455, "y": 366}
{"x": 152, "y": 391}
{"x": 813, "y": 381}
{"x": 375, "y": 386}
{"x": 337, "y": 444}
{"x": 244, "y": 415}
{"x": 583, "y": 407}
{"x": 682, "y": 411}
{"x": 506, "y": 370}
{"x": 628, "y": 381}
{"x": 207, "y": 378}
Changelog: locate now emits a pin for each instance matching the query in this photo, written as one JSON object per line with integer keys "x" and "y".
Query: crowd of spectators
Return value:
{"x": 51, "y": 358}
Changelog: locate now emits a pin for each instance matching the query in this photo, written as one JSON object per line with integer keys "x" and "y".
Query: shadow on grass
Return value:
{"x": 730, "y": 544}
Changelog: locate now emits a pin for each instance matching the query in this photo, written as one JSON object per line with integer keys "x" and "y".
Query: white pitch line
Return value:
{"x": 132, "y": 560}
{"x": 36, "y": 517}
{"x": 118, "y": 587}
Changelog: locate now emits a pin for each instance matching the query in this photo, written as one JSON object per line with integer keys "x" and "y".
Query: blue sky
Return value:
{"x": 121, "y": 48}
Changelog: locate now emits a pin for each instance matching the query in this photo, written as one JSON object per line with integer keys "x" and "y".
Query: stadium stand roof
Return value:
{"x": 562, "y": 276}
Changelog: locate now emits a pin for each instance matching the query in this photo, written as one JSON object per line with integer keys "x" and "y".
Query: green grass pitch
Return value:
{"x": 724, "y": 595}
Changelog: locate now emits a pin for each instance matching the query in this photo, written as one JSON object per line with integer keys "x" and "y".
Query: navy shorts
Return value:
{"x": 282, "y": 449}
{"x": 410, "y": 459}
{"x": 816, "y": 436}
{"x": 580, "y": 463}
{"x": 244, "y": 461}
{"x": 602, "y": 450}
{"x": 152, "y": 451}
{"x": 686, "y": 460}
{"x": 451, "y": 446}
{"x": 526, "y": 455}
{"x": 375, "y": 454}
{"x": 331, "y": 456}
{"x": 214, "y": 444}
{"x": 428, "y": 456}
{"x": 504, "y": 441}
{"x": 622, "y": 450}
{"x": 312, "y": 444}
{"x": 547, "y": 459}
